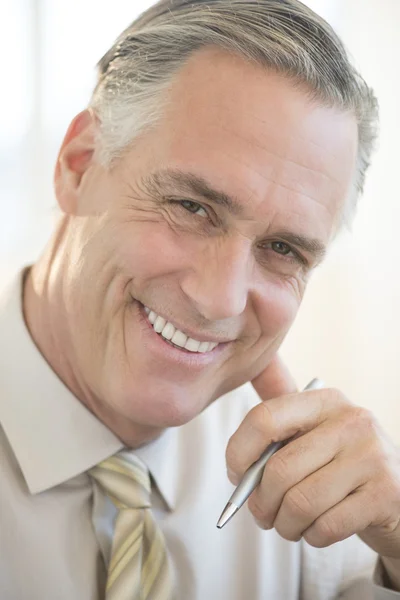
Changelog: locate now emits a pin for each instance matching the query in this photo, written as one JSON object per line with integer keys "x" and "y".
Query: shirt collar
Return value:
{"x": 161, "y": 458}
{"x": 53, "y": 435}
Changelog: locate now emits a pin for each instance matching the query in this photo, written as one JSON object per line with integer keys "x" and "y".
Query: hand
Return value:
{"x": 338, "y": 475}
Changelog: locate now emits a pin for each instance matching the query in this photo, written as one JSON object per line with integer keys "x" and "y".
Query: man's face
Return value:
{"x": 213, "y": 220}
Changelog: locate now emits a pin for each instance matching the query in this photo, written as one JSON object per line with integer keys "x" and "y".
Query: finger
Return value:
{"x": 353, "y": 515}
{"x": 317, "y": 494}
{"x": 304, "y": 455}
{"x": 276, "y": 420}
{"x": 275, "y": 380}
{"x": 290, "y": 465}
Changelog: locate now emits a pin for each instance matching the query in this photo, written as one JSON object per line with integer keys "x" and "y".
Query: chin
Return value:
{"x": 166, "y": 408}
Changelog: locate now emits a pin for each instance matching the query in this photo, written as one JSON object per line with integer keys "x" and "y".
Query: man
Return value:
{"x": 224, "y": 147}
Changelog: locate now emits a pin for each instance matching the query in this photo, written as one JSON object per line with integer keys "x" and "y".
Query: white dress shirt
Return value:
{"x": 56, "y": 526}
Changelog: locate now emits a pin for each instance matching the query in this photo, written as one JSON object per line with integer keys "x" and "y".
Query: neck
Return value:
{"x": 46, "y": 319}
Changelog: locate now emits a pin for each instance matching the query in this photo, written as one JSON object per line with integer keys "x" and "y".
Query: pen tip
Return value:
{"x": 228, "y": 512}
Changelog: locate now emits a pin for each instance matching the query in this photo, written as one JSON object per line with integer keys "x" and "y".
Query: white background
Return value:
{"x": 348, "y": 330}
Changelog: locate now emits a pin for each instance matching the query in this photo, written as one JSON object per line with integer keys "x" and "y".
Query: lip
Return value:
{"x": 198, "y": 336}
{"x": 166, "y": 352}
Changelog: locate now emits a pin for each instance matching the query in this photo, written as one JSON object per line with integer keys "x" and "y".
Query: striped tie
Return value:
{"x": 139, "y": 567}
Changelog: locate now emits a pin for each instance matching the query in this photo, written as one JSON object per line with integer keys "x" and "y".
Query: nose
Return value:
{"x": 218, "y": 282}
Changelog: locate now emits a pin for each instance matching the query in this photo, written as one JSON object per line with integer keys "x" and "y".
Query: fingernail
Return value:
{"x": 262, "y": 525}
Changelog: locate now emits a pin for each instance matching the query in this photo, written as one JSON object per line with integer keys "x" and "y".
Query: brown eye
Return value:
{"x": 281, "y": 248}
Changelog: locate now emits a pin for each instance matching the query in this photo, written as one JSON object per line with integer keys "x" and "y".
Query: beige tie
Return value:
{"x": 139, "y": 568}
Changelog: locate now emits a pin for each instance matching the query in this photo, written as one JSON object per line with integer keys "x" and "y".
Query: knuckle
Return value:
{"x": 261, "y": 418}
{"x": 330, "y": 401}
{"x": 394, "y": 484}
{"x": 363, "y": 418}
{"x": 333, "y": 396}
{"x": 299, "y": 503}
{"x": 279, "y": 468}
{"x": 359, "y": 423}
{"x": 324, "y": 532}
{"x": 375, "y": 493}
{"x": 260, "y": 515}
{"x": 380, "y": 459}
{"x": 390, "y": 525}
{"x": 385, "y": 489}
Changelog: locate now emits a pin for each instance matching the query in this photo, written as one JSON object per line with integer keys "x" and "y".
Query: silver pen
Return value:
{"x": 253, "y": 475}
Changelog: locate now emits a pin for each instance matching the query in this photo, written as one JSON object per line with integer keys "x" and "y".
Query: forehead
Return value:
{"x": 256, "y": 135}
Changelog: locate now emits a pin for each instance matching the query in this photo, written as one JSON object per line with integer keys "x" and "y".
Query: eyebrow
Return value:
{"x": 189, "y": 183}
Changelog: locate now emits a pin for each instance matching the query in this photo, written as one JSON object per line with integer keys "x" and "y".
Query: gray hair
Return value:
{"x": 284, "y": 36}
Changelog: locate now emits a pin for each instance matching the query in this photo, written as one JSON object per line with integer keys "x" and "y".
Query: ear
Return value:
{"x": 74, "y": 159}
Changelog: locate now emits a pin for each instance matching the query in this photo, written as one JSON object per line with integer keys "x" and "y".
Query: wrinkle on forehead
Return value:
{"x": 268, "y": 126}
{"x": 320, "y": 185}
{"x": 255, "y": 136}
{"x": 275, "y": 154}
{"x": 280, "y": 184}
{"x": 241, "y": 97}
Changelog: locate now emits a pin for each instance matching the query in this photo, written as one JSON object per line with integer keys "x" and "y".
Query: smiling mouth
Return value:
{"x": 175, "y": 337}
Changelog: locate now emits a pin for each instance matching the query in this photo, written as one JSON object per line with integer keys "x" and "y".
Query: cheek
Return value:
{"x": 149, "y": 250}
{"x": 277, "y": 307}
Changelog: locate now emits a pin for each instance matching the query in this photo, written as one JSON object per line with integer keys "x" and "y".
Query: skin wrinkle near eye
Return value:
{"x": 180, "y": 203}
{"x": 290, "y": 254}
{"x": 160, "y": 211}
{"x": 195, "y": 225}
{"x": 190, "y": 183}
{"x": 148, "y": 214}
{"x": 311, "y": 246}
{"x": 154, "y": 184}
{"x": 177, "y": 227}
{"x": 141, "y": 205}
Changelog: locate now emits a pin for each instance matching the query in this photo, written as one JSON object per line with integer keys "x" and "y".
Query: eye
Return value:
{"x": 284, "y": 252}
{"x": 281, "y": 248}
{"x": 194, "y": 207}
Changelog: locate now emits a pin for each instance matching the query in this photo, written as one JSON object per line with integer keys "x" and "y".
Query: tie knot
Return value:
{"x": 125, "y": 479}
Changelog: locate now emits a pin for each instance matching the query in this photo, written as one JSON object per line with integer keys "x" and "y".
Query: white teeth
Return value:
{"x": 168, "y": 331}
{"x": 204, "y": 346}
{"x": 159, "y": 324}
{"x": 192, "y": 345}
{"x": 179, "y": 338}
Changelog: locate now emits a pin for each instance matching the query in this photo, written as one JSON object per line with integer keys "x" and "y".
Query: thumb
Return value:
{"x": 274, "y": 381}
